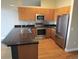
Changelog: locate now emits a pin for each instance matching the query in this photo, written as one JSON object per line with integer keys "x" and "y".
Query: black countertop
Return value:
{"x": 33, "y": 26}
{"x": 20, "y": 36}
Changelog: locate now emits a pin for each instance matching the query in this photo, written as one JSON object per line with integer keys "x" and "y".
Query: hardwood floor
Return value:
{"x": 48, "y": 49}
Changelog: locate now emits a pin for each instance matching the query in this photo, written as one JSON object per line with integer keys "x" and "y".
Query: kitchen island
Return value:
{"x": 23, "y": 44}
{"x": 23, "y": 41}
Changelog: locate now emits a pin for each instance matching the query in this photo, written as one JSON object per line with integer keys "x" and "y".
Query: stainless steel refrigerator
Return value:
{"x": 62, "y": 29}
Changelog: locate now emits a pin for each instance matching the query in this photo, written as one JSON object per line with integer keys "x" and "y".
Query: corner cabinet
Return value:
{"x": 34, "y": 31}
{"x": 53, "y": 33}
{"x": 48, "y": 31}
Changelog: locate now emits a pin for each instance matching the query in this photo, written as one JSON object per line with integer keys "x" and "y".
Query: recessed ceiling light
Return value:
{"x": 12, "y": 5}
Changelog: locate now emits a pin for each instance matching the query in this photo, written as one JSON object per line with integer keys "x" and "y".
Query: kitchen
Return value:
{"x": 28, "y": 15}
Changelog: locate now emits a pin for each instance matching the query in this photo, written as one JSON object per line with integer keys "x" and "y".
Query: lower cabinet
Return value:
{"x": 53, "y": 33}
{"x": 28, "y": 51}
{"x": 48, "y": 32}
{"x": 25, "y": 51}
{"x": 34, "y": 31}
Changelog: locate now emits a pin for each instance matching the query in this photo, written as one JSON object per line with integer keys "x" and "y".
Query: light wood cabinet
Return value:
{"x": 61, "y": 11}
{"x": 28, "y": 51}
{"x": 48, "y": 31}
{"x": 29, "y": 13}
{"x": 34, "y": 31}
{"x": 53, "y": 33}
{"x": 26, "y": 14}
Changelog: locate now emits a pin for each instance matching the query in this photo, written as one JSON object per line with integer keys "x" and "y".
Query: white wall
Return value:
{"x": 31, "y": 2}
{"x": 9, "y": 16}
{"x": 48, "y": 3}
{"x": 55, "y": 3}
{"x": 72, "y": 37}
{"x": 63, "y": 3}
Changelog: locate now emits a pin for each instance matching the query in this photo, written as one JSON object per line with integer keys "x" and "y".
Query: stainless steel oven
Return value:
{"x": 41, "y": 32}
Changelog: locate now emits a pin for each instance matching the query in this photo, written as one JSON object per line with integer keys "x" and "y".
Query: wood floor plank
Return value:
{"x": 48, "y": 49}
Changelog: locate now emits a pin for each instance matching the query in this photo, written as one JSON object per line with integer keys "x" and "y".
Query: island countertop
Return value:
{"x": 33, "y": 26}
{"x": 20, "y": 36}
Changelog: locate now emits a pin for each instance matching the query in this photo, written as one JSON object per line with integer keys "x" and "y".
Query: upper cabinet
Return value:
{"x": 29, "y": 13}
{"x": 31, "y": 2}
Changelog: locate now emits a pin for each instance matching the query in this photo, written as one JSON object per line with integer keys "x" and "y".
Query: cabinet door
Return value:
{"x": 48, "y": 31}
{"x": 34, "y": 31}
{"x": 26, "y": 14}
{"x": 53, "y": 33}
{"x": 28, "y": 51}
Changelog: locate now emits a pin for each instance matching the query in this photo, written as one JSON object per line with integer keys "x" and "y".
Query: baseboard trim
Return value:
{"x": 71, "y": 50}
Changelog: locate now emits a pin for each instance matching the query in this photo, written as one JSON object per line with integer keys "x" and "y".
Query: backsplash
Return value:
{"x": 26, "y": 22}
{"x": 33, "y": 22}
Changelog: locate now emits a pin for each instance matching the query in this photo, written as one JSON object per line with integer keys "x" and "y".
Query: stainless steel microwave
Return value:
{"x": 39, "y": 17}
